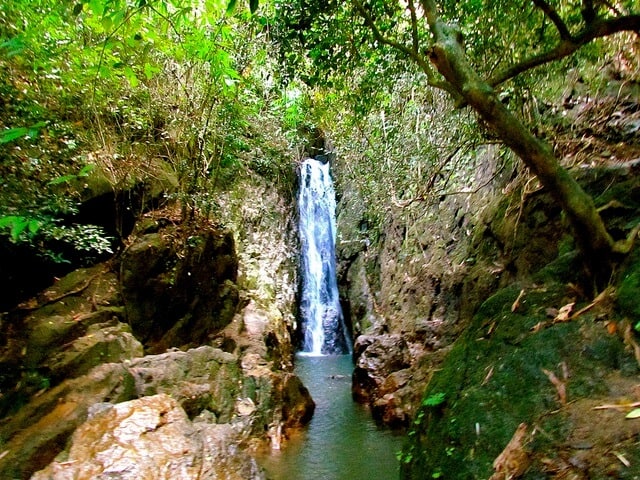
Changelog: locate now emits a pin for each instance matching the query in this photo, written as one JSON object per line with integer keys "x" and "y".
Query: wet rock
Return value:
{"x": 199, "y": 379}
{"x": 297, "y": 404}
{"x": 377, "y": 357}
{"x": 39, "y": 431}
{"x": 151, "y": 438}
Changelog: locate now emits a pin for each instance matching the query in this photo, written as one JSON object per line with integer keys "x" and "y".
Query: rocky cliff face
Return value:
{"x": 408, "y": 285}
{"x": 179, "y": 348}
{"x": 479, "y": 328}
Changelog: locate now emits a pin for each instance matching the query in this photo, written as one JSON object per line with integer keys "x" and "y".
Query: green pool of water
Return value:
{"x": 342, "y": 442}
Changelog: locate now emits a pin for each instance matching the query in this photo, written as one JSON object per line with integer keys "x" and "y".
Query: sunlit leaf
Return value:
{"x": 150, "y": 70}
{"x": 7, "y": 220}
{"x": 62, "y": 179}
{"x": 18, "y": 226}
{"x": 84, "y": 171}
{"x": 107, "y": 23}
{"x": 634, "y": 413}
{"x": 434, "y": 400}
{"x": 34, "y": 226}
{"x": 11, "y": 134}
{"x": 131, "y": 77}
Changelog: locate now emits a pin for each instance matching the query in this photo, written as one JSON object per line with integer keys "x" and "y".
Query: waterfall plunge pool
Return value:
{"x": 342, "y": 442}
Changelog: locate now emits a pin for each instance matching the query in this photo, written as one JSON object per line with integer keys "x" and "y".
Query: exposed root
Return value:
{"x": 625, "y": 246}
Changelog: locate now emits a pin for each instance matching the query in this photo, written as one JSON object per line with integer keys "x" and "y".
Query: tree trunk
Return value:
{"x": 592, "y": 237}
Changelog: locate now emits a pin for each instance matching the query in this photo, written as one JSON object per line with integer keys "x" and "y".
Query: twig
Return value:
{"x": 620, "y": 406}
{"x": 48, "y": 301}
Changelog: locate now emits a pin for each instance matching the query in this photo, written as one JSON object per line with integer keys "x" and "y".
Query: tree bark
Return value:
{"x": 592, "y": 237}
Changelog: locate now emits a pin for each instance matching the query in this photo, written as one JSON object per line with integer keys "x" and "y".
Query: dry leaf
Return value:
{"x": 622, "y": 459}
{"x": 514, "y": 460}
{"x": 538, "y": 326}
{"x": 488, "y": 376}
{"x": 612, "y": 327}
{"x": 602, "y": 296}
{"x": 565, "y": 370}
{"x": 516, "y": 304}
{"x": 564, "y": 314}
{"x": 617, "y": 406}
{"x": 561, "y": 387}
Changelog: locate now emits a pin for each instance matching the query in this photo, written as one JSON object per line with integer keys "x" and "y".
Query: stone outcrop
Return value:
{"x": 179, "y": 288}
{"x": 38, "y": 431}
{"x": 151, "y": 438}
{"x": 76, "y": 350}
{"x": 382, "y": 377}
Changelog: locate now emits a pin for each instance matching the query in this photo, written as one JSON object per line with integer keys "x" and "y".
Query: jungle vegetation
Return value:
{"x": 115, "y": 84}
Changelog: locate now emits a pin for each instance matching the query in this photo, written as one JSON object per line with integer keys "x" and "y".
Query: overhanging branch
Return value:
{"x": 597, "y": 29}
{"x": 551, "y": 12}
{"x": 412, "y": 53}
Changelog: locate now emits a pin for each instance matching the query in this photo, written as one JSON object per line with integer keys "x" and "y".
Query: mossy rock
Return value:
{"x": 493, "y": 379}
{"x": 630, "y": 288}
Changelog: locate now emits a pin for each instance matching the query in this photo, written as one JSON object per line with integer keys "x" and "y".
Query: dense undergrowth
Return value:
{"x": 154, "y": 101}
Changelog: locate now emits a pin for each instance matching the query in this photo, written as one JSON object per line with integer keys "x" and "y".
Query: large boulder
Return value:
{"x": 377, "y": 357}
{"x": 179, "y": 289}
{"x": 39, "y": 430}
{"x": 151, "y": 438}
{"x": 70, "y": 328}
{"x": 204, "y": 378}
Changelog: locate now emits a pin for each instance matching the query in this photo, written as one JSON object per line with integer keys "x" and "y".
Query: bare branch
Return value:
{"x": 414, "y": 26}
{"x": 551, "y": 12}
{"x": 412, "y": 53}
{"x": 597, "y": 29}
{"x": 588, "y": 11}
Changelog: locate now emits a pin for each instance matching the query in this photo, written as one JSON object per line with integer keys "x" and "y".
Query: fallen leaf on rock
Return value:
{"x": 617, "y": 406}
{"x": 622, "y": 459}
{"x": 561, "y": 387}
{"x": 634, "y": 413}
{"x": 516, "y": 304}
{"x": 603, "y": 296}
{"x": 488, "y": 376}
{"x": 538, "y": 326}
{"x": 514, "y": 460}
{"x": 564, "y": 314}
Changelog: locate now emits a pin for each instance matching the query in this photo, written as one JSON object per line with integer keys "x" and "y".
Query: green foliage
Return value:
{"x": 434, "y": 399}
{"x": 125, "y": 82}
{"x": 12, "y": 134}
{"x": 48, "y": 236}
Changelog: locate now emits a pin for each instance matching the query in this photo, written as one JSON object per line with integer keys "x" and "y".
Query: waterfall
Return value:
{"x": 322, "y": 324}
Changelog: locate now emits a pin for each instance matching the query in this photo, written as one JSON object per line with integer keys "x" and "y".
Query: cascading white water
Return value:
{"x": 323, "y": 328}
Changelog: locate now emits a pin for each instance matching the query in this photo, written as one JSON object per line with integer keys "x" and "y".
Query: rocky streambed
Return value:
{"x": 156, "y": 361}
